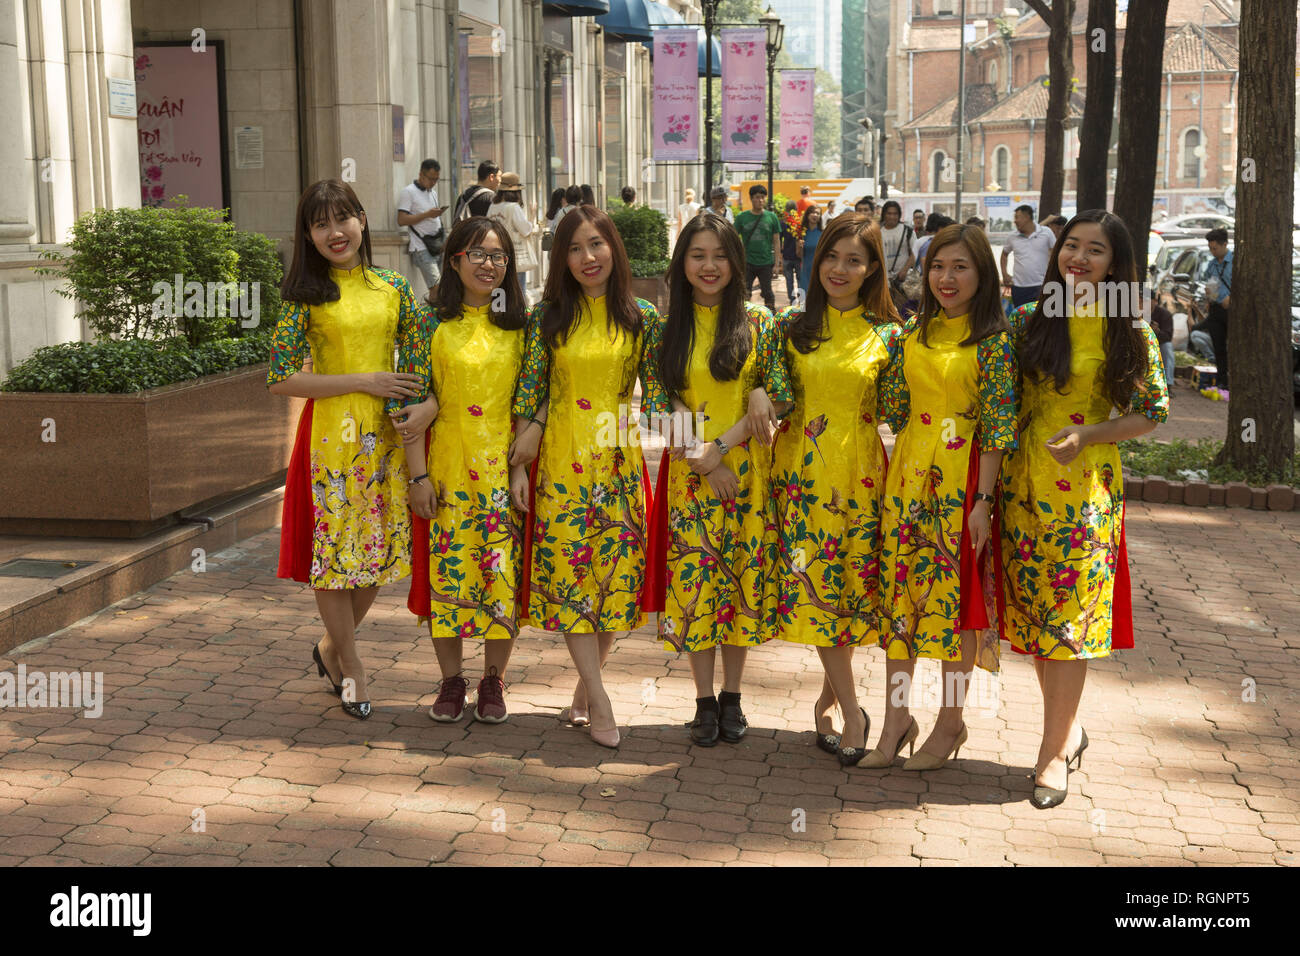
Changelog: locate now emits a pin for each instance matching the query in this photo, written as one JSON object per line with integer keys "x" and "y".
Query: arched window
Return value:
{"x": 1002, "y": 167}
{"x": 1017, "y": 78}
{"x": 991, "y": 75}
{"x": 1191, "y": 162}
{"x": 938, "y": 164}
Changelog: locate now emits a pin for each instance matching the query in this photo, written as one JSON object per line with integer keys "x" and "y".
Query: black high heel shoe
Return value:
{"x": 320, "y": 669}
{"x": 851, "y": 755}
{"x": 360, "y": 711}
{"x": 1044, "y": 798}
{"x": 827, "y": 742}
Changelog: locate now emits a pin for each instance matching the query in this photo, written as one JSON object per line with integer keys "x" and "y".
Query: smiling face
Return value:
{"x": 707, "y": 268}
{"x": 1085, "y": 255}
{"x": 479, "y": 280}
{"x": 953, "y": 278}
{"x": 844, "y": 268}
{"x": 590, "y": 260}
{"x": 338, "y": 240}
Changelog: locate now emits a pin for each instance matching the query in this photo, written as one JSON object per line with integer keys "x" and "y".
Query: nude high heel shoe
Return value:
{"x": 878, "y": 758}
{"x": 925, "y": 761}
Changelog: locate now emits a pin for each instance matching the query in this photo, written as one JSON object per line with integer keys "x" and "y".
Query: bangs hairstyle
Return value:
{"x": 733, "y": 339}
{"x": 563, "y": 294}
{"x": 449, "y": 299}
{"x": 1046, "y": 352}
{"x": 308, "y": 279}
{"x": 986, "y": 315}
{"x": 807, "y": 332}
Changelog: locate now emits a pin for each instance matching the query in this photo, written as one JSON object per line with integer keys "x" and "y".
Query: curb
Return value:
{"x": 1201, "y": 494}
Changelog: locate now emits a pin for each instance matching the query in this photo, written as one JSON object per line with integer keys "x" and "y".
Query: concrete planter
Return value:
{"x": 654, "y": 290}
{"x": 127, "y": 465}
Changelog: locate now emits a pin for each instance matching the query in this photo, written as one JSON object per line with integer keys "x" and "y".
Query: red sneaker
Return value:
{"x": 450, "y": 705}
{"x": 491, "y": 706}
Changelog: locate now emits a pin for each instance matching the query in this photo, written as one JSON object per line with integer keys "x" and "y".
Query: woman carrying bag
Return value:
{"x": 508, "y": 209}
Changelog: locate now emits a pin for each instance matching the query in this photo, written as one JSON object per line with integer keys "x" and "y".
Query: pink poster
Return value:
{"x": 178, "y": 125}
{"x": 796, "y": 119}
{"x": 677, "y": 95}
{"x": 744, "y": 109}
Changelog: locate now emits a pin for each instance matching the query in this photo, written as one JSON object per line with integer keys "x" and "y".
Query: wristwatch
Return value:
{"x": 981, "y": 496}
{"x": 722, "y": 445}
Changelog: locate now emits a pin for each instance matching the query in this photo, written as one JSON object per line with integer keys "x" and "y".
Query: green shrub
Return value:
{"x": 644, "y": 232}
{"x": 131, "y": 365}
{"x": 124, "y": 264}
{"x": 649, "y": 268}
{"x": 258, "y": 262}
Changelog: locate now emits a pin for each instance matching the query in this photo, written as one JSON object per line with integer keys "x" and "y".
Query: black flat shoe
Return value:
{"x": 851, "y": 755}
{"x": 360, "y": 711}
{"x": 827, "y": 742}
{"x": 320, "y": 669}
{"x": 731, "y": 723}
{"x": 704, "y": 728}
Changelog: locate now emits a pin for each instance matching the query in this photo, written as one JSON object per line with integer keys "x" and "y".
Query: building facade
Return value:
{"x": 252, "y": 100}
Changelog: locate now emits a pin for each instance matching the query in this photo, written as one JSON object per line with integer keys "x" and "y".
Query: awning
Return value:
{"x": 575, "y": 8}
{"x": 717, "y": 46}
{"x": 628, "y": 21}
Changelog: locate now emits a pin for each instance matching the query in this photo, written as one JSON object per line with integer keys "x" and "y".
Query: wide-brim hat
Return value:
{"x": 510, "y": 181}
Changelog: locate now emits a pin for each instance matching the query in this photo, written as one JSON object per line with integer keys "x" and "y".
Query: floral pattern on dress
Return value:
{"x": 362, "y": 528}
{"x": 827, "y": 481}
{"x": 589, "y": 521}
{"x": 1062, "y": 524}
{"x": 719, "y": 552}
{"x": 951, "y": 400}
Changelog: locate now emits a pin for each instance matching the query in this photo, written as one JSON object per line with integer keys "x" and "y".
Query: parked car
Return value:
{"x": 1194, "y": 226}
{"x": 1171, "y": 250}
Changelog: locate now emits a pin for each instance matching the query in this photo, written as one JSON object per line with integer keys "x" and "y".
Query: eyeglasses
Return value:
{"x": 480, "y": 256}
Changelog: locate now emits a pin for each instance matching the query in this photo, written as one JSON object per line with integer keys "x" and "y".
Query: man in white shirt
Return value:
{"x": 1032, "y": 245}
{"x": 419, "y": 212}
{"x": 687, "y": 210}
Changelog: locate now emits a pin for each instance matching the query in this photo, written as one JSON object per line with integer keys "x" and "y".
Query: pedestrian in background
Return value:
{"x": 1031, "y": 244}
{"x": 1218, "y": 291}
{"x": 476, "y": 199}
{"x": 588, "y": 195}
{"x": 760, "y": 231}
{"x": 918, "y": 223}
{"x": 866, "y": 206}
{"x": 508, "y": 210}
{"x": 687, "y": 210}
{"x": 419, "y": 212}
{"x": 900, "y": 253}
{"x": 810, "y": 234}
{"x": 628, "y": 195}
{"x": 718, "y": 205}
{"x": 791, "y": 232}
{"x": 805, "y": 199}
{"x": 933, "y": 223}
{"x": 554, "y": 206}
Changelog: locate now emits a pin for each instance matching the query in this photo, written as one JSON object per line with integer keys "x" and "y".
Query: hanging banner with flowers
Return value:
{"x": 796, "y": 119}
{"x": 744, "y": 106}
{"x": 677, "y": 95}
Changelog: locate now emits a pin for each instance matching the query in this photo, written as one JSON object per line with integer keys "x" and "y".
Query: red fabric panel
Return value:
{"x": 656, "y": 551}
{"x": 973, "y": 614}
{"x": 418, "y": 597}
{"x": 297, "y": 525}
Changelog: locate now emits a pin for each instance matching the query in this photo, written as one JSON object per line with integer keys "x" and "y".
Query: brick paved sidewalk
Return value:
{"x": 212, "y": 706}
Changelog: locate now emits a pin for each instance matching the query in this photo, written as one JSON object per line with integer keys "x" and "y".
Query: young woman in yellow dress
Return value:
{"x": 346, "y": 529}
{"x": 584, "y": 351}
{"x": 828, "y": 472}
{"x": 714, "y": 349}
{"x": 953, "y": 398}
{"x": 466, "y": 557}
{"x": 1084, "y": 352}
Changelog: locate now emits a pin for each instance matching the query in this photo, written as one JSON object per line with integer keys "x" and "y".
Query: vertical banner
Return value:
{"x": 744, "y": 108}
{"x": 178, "y": 124}
{"x": 796, "y": 119}
{"x": 677, "y": 95}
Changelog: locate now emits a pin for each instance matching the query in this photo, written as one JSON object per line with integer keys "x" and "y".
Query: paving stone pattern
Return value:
{"x": 213, "y": 705}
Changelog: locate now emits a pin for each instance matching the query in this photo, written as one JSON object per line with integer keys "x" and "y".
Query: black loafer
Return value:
{"x": 732, "y": 723}
{"x": 704, "y": 728}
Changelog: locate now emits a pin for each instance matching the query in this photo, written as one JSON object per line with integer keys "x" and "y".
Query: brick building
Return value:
{"x": 1006, "y": 99}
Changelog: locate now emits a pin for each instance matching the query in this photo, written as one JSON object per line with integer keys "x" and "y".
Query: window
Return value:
{"x": 615, "y": 162}
{"x": 560, "y": 117}
{"x": 1017, "y": 78}
{"x": 1191, "y": 161}
{"x": 480, "y": 95}
{"x": 938, "y": 166}
{"x": 991, "y": 75}
{"x": 1002, "y": 167}
{"x": 943, "y": 7}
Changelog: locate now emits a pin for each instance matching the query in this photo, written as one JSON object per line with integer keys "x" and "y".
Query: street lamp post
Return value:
{"x": 710, "y": 12}
{"x": 1200, "y": 105}
{"x": 775, "y": 33}
{"x": 961, "y": 114}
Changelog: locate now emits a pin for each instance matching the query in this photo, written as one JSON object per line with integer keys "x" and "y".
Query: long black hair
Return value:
{"x": 557, "y": 200}
{"x": 1046, "y": 350}
{"x": 734, "y": 339}
{"x": 563, "y": 294}
{"x": 308, "y": 277}
{"x": 450, "y": 296}
{"x": 986, "y": 314}
{"x": 807, "y": 330}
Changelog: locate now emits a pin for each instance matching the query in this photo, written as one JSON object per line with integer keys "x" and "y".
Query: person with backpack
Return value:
{"x": 899, "y": 254}
{"x": 477, "y": 199}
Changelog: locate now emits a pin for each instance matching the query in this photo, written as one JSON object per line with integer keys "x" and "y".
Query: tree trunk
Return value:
{"x": 1139, "y": 122}
{"x": 1099, "y": 107}
{"x": 1261, "y": 426}
{"x": 1060, "y": 57}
